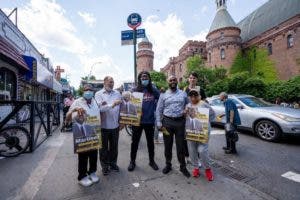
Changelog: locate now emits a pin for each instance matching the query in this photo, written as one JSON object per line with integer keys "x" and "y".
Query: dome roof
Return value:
{"x": 269, "y": 15}
{"x": 222, "y": 20}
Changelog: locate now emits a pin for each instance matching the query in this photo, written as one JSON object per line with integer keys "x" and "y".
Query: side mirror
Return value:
{"x": 239, "y": 106}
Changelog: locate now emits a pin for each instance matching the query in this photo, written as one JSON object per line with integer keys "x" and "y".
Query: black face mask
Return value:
{"x": 172, "y": 85}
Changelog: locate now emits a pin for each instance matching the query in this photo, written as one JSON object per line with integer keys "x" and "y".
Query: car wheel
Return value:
{"x": 267, "y": 130}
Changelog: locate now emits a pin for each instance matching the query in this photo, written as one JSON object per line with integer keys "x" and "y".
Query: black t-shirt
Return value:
{"x": 201, "y": 92}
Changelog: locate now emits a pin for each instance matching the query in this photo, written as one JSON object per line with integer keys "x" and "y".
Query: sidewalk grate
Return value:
{"x": 230, "y": 172}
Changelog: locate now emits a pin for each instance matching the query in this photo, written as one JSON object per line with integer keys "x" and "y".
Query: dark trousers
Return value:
{"x": 83, "y": 159}
{"x": 136, "y": 136}
{"x": 177, "y": 128}
{"x": 109, "y": 151}
{"x": 229, "y": 143}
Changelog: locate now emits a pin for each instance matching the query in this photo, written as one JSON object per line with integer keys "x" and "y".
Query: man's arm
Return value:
{"x": 159, "y": 110}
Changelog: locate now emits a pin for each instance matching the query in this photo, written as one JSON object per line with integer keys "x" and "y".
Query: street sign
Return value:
{"x": 128, "y": 34}
{"x": 126, "y": 42}
{"x": 134, "y": 20}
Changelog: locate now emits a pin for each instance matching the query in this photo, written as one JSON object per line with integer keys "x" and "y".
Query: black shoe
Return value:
{"x": 167, "y": 169}
{"x": 105, "y": 171}
{"x": 115, "y": 168}
{"x": 131, "y": 166}
{"x": 225, "y": 148}
{"x": 229, "y": 151}
{"x": 153, "y": 165}
{"x": 185, "y": 172}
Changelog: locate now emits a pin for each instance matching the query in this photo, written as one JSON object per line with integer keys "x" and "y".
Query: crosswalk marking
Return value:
{"x": 292, "y": 176}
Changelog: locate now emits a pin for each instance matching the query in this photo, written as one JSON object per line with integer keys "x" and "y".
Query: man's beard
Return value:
{"x": 173, "y": 85}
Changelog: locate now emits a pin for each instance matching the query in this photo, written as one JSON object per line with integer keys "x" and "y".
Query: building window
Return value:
{"x": 180, "y": 67}
{"x": 201, "y": 50}
{"x": 8, "y": 84}
{"x": 209, "y": 57}
{"x": 222, "y": 35}
{"x": 270, "y": 50}
{"x": 290, "y": 41}
{"x": 222, "y": 52}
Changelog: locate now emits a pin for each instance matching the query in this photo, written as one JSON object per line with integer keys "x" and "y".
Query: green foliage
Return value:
{"x": 257, "y": 63}
{"x": 92, "y": 77}
{"x": 236, "y": 82}
{"x": 217, "y": 87}
{"x": 159, "y": 79}
{"x": 206, "y": 75}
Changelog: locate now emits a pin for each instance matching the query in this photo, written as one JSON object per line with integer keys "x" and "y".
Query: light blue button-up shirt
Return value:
{"x": 171, "y": 104}
{"x": 109, "y": 115}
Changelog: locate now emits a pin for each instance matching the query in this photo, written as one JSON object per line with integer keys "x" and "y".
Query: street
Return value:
{"x": 255, "y": 173}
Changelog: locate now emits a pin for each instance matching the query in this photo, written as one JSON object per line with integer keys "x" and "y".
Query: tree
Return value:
{"x": 257, "y": 63}
{"x": 86, "y": 78}
{"x": 206, "y": 76}
{"x": 159, "y": 79}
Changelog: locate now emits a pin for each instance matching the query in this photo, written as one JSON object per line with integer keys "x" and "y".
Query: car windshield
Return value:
{"x": 254, "y": 102}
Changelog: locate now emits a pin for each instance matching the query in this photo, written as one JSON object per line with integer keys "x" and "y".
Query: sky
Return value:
{"x": 84, "y": 36}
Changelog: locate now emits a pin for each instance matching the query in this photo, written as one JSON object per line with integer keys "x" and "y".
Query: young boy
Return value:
{"x": 197, "y": 149}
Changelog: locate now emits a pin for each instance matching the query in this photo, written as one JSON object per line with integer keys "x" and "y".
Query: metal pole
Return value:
{"x": 134, "y": 56}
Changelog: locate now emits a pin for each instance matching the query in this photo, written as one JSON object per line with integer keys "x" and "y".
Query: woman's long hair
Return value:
{"x": 140, "y": 87}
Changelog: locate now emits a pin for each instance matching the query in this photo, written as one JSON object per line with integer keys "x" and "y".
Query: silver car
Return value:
{"x": 268, "y": 121}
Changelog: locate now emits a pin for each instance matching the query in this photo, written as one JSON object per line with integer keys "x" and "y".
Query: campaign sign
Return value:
{"x": 197, "y": 124}
{"x": 86, "y": 133}
{"x": 131, "y": 109}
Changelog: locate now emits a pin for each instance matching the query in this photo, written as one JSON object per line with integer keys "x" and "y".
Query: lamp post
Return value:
{"x": 88, "y": 78}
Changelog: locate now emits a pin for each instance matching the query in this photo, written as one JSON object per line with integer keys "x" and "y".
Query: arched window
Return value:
{"x": 209, "y": 57}
{"x": 8, "y": 84}
{"x": 222, "y": 52}
{"x": 220, "y": 2}
{"x": 290, "y": 41}
{"x": 270, "y": 49}
{"x": 222, "y": 35}
{"x": 180, "y": 67}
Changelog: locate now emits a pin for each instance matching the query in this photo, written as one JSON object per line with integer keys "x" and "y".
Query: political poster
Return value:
{"x": 86, "y": 133}
{"x": 131, "y": 109}
{"x": 197, "y": 124}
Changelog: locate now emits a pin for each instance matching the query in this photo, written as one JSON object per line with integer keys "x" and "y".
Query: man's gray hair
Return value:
{"x": 224, "y": 94}
{"x": 126, "y": 94}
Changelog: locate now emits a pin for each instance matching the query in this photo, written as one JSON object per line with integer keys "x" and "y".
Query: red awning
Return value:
{"x": 8, "y": 51}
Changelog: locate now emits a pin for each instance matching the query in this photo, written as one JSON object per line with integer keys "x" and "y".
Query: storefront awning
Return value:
{"x": 8, "y": 52}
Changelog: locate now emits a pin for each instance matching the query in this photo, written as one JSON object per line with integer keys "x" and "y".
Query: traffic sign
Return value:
{"x": 134, "y": 20}
{"x": 128, "y": 34}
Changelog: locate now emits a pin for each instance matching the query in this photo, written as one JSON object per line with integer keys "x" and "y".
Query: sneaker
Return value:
{"x": 94, "y": 178}
{"x": 105, "y": 171}
{"x": 153, "y": 165}
{"x": 115, "y": 168}
{"x": 167, "y": 169}
{"x": 86, "y": 182}
{"x": 196, "y": 172}
{"x": 209, "y": 175}
{"x": 131, "y": 166}
{"x": 185, "y": 172}
{"x": 229, "y": 151}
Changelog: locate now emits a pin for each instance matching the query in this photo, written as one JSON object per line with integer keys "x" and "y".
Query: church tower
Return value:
{"x": 223, "y": 39}
{"x": 145, "y": 56}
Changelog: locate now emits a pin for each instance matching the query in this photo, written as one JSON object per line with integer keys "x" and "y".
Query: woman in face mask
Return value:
{"x": 151, "y": 96}
{"x": 85, "y": 105}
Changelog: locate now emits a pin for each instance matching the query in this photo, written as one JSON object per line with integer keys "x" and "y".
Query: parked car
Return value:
{"x": 267, "y": 120}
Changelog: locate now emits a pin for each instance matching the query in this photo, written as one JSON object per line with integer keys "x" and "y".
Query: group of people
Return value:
{"x": 160, "y": 111}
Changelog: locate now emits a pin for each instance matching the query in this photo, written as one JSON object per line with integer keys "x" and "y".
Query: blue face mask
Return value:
{"x": 145, "y": 82}
{"x": 88, "y": 95}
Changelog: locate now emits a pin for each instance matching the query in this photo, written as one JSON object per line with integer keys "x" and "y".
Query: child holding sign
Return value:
{"x": 195, "y": 126}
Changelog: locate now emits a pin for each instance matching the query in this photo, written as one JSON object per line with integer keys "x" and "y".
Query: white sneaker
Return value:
{"x": 94, "y": 178}
{"x": 85, "y": 182}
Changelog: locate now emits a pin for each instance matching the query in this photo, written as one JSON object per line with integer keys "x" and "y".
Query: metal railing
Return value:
{"x": 39, "y": 118}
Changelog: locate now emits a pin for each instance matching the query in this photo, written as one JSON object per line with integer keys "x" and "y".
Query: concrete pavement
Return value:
{"x": 51, "y": 171}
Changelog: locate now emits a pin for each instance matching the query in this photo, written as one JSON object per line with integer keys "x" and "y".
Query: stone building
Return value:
{"x": 274, "y": 26}
{"x": 144, "y": 56}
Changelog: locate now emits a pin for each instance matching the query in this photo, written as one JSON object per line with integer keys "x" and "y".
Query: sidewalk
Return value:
{"x": 51, "y": 172}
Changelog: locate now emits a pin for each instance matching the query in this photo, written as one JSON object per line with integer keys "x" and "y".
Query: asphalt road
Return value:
{"x": 255, "y": 173}
{"x": 262, "y": 163}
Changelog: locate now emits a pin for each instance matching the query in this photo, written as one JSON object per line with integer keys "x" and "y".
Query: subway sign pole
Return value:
{"x": 134, "y": 20}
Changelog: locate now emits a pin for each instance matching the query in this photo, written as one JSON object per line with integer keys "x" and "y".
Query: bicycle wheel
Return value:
{"x": 128, "y": 129}
{"x": 14, "y": 140}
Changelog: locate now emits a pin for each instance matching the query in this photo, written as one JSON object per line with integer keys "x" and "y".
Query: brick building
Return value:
{"x": 274, "y": 26}
{"x": 144, "y": 56}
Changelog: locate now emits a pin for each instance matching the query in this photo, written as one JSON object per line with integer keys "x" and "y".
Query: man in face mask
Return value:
{"x": 109, "y": 99}
{"x": 170, "y": 115}
{"x": 150, "y": 97}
